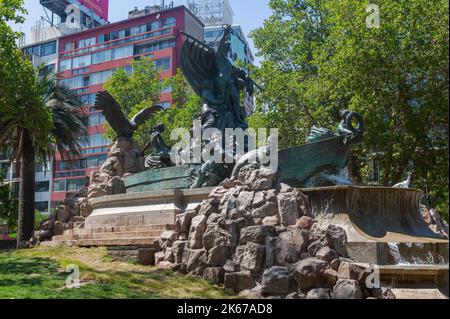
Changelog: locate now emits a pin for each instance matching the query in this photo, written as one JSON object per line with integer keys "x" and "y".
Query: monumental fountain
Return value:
{"x": 165, "y": 205}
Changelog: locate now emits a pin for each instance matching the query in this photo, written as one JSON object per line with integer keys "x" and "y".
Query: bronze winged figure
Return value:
{"x": 123, "y": 127}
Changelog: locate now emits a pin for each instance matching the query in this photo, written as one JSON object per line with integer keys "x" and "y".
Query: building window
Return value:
{"x": 163, "y": 64}
{"x": 59, "y": 185}
{"x": 87, "y": 42}
{"x": 41, "y": 168}
{"x": 212, "y": 34}
{"x": 35, "y": 50}
{"x": 88, "y": 99}
{"x": 69, "y": 174}
{"x": 86, "y": 80}
{"x": 71, "y": 165}
{"x": 97, "y": 119}
{"x": 155, "y": 25}
{"x": 116, "y": 35}
{"x": 80, "y": 71}
{"x": 169, "y": 22}
{"x": 122, "y": 52}
{"x": 81, "y": 61}
{"x": 98, "y": 140}
{"x": 42, "y": 187}
{"x": 65, "y": 65}
{"x": 96, "y": 161}
{"x": 41, "y": 206}
{"x": 134, "y": 31}
{"x": 146, "y": 28}
{"x": 48, "y": 48}
{"x": 100, "y": 57}
{"x": 72, "y": 45}
{"x": 75, "y": 184}
{"x": 100, "y": 77}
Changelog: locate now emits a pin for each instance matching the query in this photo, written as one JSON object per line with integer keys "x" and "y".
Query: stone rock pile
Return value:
{"x": 70, "y": 215}
{"x": 123, "y": 158}
{"x": 257, "y": 237}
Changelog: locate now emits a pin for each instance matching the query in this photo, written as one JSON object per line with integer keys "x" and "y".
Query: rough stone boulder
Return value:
{"x": 258, "y": 180}
{"x": 251, "y": 257}
{"x": 239, "y": 281}
{"x": 338, "y": 239}
{"x": 277, "y": 281}
{"x": 215, "y": 275}
{"x": 218, "y": 255}
{"x": 309, "y": 273}
{"x": 305, "y": 222}
{"x": 183, "y": 222}
{"x": 167, "y": 238}
{"x": 288, "y": 208}
{"x": 350, "y": 270}
{"x": 198, "y": 227}
{"x": 215, "y": 236}
{"x": 347, "y": 289}
{"x": 256, "y": 234}
{"x": 326, "y": 254}
{"x": 289, "y": 247}
{"x": 318, "y": 293}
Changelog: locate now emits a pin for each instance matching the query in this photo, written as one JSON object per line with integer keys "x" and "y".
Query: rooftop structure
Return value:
{"x": 212, "y": 12}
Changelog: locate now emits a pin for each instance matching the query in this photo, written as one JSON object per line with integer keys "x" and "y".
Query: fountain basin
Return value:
{"x": 384, "y": 225}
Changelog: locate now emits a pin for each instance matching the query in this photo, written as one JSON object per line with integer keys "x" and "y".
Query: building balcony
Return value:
{"x": 143, "y": 37}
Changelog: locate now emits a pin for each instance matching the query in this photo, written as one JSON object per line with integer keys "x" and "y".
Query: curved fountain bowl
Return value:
{"x": 384, "y": 225}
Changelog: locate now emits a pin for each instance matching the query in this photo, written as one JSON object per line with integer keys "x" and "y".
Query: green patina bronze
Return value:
{"x": 214, "y": 78}
{"x": 179, "y": 177}
{"x": 298, "y": 164}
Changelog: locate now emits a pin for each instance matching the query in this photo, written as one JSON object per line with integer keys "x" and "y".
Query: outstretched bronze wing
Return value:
{"x": 198, "y": 63}
{"x": 114, "y": 115}
{"x": 144, "y": 115}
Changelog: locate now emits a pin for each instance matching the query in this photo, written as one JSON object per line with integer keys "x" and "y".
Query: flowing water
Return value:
{"x": 428, "y": 258}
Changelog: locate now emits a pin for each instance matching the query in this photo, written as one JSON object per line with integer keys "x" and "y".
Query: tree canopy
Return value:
{"x": 20, "y": 101}
{"x": 322, "y": 56}
{"x": 143, "y": 88}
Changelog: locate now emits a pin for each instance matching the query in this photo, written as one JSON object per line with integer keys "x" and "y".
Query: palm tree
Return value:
{"x": 68, "y": 133}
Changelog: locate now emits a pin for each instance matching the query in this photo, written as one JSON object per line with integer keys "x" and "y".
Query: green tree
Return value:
{"x": 143, "y": 88}
{"x": 24, "y": 120}
{"x": 67, "y": 134}
{"x": 320, "y": 56}
{"x": 135, "y": 92}
{"x": 8, "y": 205}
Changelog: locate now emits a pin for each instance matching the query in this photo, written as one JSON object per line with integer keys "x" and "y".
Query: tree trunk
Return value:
{"x": 26, "y": 190}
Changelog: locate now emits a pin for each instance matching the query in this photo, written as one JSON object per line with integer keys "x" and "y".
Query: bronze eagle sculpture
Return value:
{"x": 113, "y": 113}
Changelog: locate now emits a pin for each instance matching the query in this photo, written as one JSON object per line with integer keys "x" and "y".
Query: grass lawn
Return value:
{"x": 39, "y": 273}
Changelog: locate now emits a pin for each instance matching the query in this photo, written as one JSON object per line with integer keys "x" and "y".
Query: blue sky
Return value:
{"x": 250, "y": 14}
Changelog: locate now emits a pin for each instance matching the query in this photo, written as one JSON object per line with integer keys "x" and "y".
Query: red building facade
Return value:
{"x": 87, "y": 59}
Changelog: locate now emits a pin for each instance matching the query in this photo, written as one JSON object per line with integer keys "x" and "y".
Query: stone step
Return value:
{"x": 111, "y": 235}
{"x": 119, "y": 229}
{"x": 418, "y": 293}
{"x": 139, "y": 242}
{"x": 58, "y": 243}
